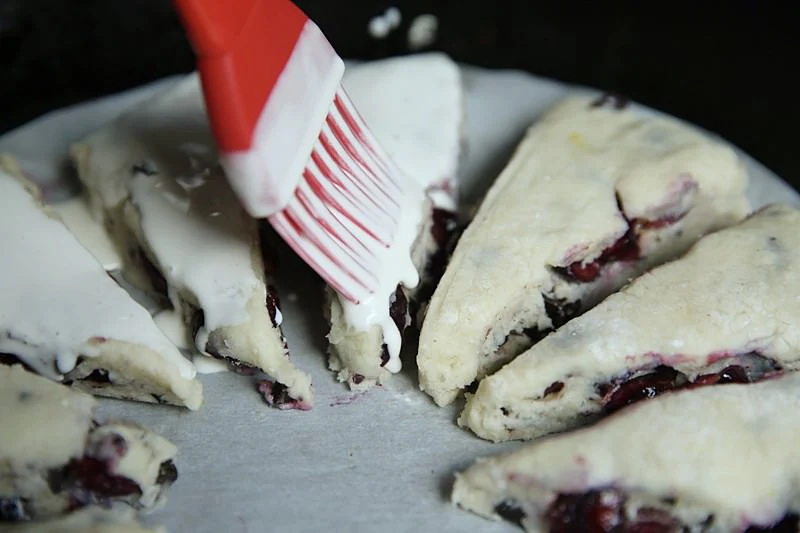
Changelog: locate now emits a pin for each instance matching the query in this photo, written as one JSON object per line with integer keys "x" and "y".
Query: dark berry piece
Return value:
{"x": 146, "y": 167}
{"x": 510, "y": 511}
{"x": 650, "y": 385}
{"x": 553, "y": 388}
{"x": 612, "y": 100}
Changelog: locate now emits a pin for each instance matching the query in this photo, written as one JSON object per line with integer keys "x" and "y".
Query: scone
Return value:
{"x": 154, "y": 178}
{"x": 716, "y": 460}
{"x": 414, "y": 107}
{"x": 86, "y": 520}
{"x": 63, "y": 317}
{"x": 726, "y": 312}
{"x": 596, "y": 193}
{"x": 54, "y": 458}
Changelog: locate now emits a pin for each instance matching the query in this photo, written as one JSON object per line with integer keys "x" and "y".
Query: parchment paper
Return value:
{"x": 378, "y": 462}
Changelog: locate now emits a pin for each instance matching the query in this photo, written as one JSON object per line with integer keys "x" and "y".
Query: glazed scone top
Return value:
{"x": 415, "y": 108}
{"x": 162, "y": 156}
{"x": 44, "y": 424}
{"x": 734, "y": 292}
{"x": 729, "y": 450}
{"x": 57, "y": 301}
{"x": 555, "y": 203}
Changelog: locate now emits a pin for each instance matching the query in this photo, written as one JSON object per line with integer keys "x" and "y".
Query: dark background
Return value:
{"x": 726, "y": 66}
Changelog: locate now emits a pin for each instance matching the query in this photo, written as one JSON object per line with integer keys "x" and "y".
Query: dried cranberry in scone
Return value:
{"x": 714, "y": 459}
{"x": 414, "y": 106}
{"x": 727, "y": 312}
{"x": 595, "y": 194}
{"x": 54, "y": 458}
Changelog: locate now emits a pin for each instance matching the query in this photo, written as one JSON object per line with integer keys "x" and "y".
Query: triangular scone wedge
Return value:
{"x": 154, "y": 178}
{"x": 415, "y": 107}
{"x": 726, "y": 312}
{"x": 595, "y": 194}
{"x": 86, "y": 520}
{"x": 715, "y": 460}
{"x": 55, "y": 458}
{"x": 63, "y": 317}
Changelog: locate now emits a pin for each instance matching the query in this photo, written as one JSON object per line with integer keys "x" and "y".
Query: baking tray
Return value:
{"x": 380, "y": 461}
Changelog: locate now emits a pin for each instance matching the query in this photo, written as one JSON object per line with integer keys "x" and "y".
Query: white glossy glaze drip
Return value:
{"x": 208, "y": 365}
{"x": 171, "y": 323}
{"x": 56, "y": 298}
{"x": 413, "y": 107}
{"x": 194, "y": 225}
{"x": 397, "y": 268}
{"x": 76, "y": 216}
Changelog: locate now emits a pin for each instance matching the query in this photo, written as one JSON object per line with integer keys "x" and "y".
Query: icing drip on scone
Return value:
{"x": 204, "y": 252}
{"x": 396, "y": 268}
{"x": 57, "y": 302}
{"x": 422, "y": 136}
{"x": 76, "y": 216}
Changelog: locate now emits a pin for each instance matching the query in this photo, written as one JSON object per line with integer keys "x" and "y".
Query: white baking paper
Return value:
{"x": 379, "y": 462}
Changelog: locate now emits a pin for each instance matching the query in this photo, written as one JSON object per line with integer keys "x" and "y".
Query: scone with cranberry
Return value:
{"x": 154, "y": 179}
{"x": 414, "y": 107}
{"x": 54, "y": 458}
{"x": 596, "y": 193}
{"x": 727, "y": 311}
{"x": 63, "y": 317}
{"x": 714, "y": 460}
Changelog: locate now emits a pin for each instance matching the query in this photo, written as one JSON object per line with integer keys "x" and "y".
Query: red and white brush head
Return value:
{"x": 295, "y": 149}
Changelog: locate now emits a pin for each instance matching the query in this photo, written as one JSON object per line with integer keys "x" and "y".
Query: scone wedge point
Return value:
{"x": 63, "y": 317}
{"x": 415, "y": 108}
{"x": 154, "y": 179}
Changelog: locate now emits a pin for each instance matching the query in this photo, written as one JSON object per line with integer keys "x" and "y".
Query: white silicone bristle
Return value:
{"x": 346, "y": 208}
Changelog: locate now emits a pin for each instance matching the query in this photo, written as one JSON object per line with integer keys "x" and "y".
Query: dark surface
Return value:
{"x": 729, "y": 69}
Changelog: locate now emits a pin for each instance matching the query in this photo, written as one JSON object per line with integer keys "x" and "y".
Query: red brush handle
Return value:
{"x": 242, "y": 47}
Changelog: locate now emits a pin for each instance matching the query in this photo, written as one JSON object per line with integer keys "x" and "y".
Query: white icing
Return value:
{"x": 76, "y": 216}
{"x": 381, "y": 26}
{"x": 157, "y": 165}
{"x": 56, "y": 298}
{"x": 414, "y": 108}
{"x": 203, "y": 253}
{"x": 171, "y": 323}
{"x": 397, "y": 268}
{"x": 422, "y": 31}
{"x": 208, "y": 365}
{"x": 265, "y": 175}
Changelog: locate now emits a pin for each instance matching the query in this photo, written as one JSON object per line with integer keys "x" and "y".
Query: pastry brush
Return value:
{"x": 293, "y": 146}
